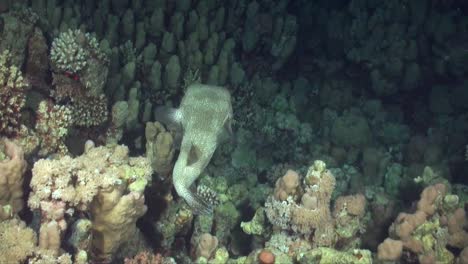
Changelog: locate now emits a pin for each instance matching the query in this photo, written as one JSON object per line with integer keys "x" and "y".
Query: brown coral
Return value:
{"x": 114, "y": 222}
{"x": 414, "y": 230}
{"x": 352, "y": 204}
{"x": 312, "y": 215}
{"x": 286, "y": 185}
{"x": 53, "y": 122}
{"x": 390, "y": 250}
{"x": 12, "y": 95}
{"x": 159, "y": 148}
{"x": 11, "y": 180}
{"x": 206, "y": 246}
{"x": 319, "y": 219}
{"x": 103, "y": 182}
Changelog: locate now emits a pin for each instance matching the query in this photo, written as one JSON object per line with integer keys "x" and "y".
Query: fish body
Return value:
{"x": 204, "y": 115}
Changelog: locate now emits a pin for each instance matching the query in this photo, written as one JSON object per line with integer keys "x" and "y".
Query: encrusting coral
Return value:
{"x": 104, "y": 182}
{"x": 11, "y": 180}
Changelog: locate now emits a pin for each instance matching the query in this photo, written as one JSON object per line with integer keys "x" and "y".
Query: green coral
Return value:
{"x": 72, "y": 50}
{"x": 256, "y": 226}
{"x": 323, "y": 255}
{"x": 67, "y": 53}
{"x": 351, "y": 130}
{"x": 433, "y": 239}
{"x": 226, "y": 218}
{"x": 349, "y": 229}
{"x": 221, "y": 256}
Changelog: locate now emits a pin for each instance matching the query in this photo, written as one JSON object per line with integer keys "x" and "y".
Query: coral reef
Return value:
{"x": 307, "y": 131}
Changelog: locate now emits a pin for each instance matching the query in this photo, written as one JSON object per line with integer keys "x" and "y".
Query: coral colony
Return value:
{"x": 233, "y": 132}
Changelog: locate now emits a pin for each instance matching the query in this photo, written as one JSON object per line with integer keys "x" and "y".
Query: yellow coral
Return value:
{"x": 104, "y": 182}
{"x": 18, "y": 241}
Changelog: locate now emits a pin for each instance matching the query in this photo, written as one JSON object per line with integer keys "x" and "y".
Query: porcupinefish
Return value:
{"x": 204, "y": 115}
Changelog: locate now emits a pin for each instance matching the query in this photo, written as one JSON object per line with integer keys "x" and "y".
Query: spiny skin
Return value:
{"x": 204, "y": 113}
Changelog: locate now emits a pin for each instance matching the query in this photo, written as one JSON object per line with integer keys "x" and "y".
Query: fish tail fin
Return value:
{"x": 199, "y": 205}
{"x": 168, "y": 115}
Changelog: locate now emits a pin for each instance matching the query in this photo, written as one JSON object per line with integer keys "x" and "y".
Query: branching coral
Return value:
{"x": 68, "y": 52}
{"x": 76, "y": 52}
{"x": 12, "y": 95}
{"x": 80, "y": 73}
{"x": 119, "y": 115}
{"x": 114, "y": 220}
{"x": 19, "y": 246}
{"x": 18, "y": 241}
{"x": 89, "y": 112}
{"x": 53, "y": 122}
